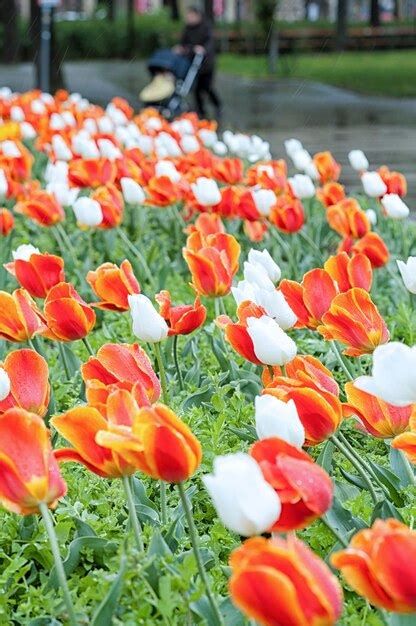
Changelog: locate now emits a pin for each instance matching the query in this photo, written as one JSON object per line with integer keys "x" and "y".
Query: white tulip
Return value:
{"x": 68, "y": 118}
{"x": 90, "y": 125}
{"x": 183, "y": 127}
{"x": 292, "y": 146}
{"x": 208, "y": 137}
{"x": 10, "y": 149}
{"x": 105, "y": 125}
{"x": 145, "y": 144}
{"x": 167, "y": 168}
{"x": 301, "y": 159}
{"x": 56, "y": 122}
{"x": 87, "y": 211}
{"x": 394, "y": 206}
{"x": 408, "y": 272}
{"x": 37, "y": 107}
{"x": 117, "y": 116}
{"x": 271, "y": 344}
{"x": 168, "y": 146}
{"x": 27, "y": 130}
{"x": 264, "y": 259}
{"x": 108, "y": 150}
{"x": 17, "y": 114}
{"x": 394, "y": 374}
{"x": 358, "y": 160}
{"x": 56, "y": 172}
{"x": 189, "y": 143}
{"x": 24, "y": 252}
{"x": 302, "y": 186}
{"x": 246, "y": 504}
{"x": 61, "y": 150}
{"x": 256, "y": 274}
{"x": 65, "y": 195}
{"x": 373, "y": 184}
{"x": 86, "y": 147}
{"x": 220, "y": 148}
{"x": 206, "y": 191}
{"x": 4, "y": 384}
{"x": 132, "y": 191}
{"x": 275, "y": 418}
{"x": 264, "y": 199}
{"x": 372, "y": 216}
{"x": 312, "y": 171}
{"x": 148, "y": 325}
{"x": 4, "y": 185}
{"x": 153, "y": 123}
{"x": 276, "y": 306}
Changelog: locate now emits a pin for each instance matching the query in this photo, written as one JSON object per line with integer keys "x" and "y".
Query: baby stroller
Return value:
{"x": 173, "y": 76}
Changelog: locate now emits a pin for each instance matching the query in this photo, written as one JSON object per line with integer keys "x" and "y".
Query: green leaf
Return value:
{"x": 389, "y": 480}
{"x": 103, "y": 616}
{"x": 203, "y": 609}
{"x": 397, "y": 619}
{"x": 325, "y": 457}
{"x": 342, "y": 519}
{"x": 44, "y": 621}
{"x": 385, "y": 510}
{"x": 401, "y": 467}
{"x": 353, "y": 479}
{"x": 73, "y": 361}
{"x": 245, "y": 434}
{"x": 197, "y": 398}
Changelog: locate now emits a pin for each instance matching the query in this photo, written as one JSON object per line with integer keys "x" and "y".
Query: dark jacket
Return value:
{"x": 200, "y": 35}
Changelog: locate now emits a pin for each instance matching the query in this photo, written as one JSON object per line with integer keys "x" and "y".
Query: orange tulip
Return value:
{"x": 229, "y": 171}
{"x": 212, "y": 261}
{"x": 315, "y": 393}
{"x": 394, "y": 181}
{"x": 113, "y": 285}
{"x": 29, "y": 473}
{"x": 38, "y": 274}
{"x": 246, "y": 207}
{"x": 42, "y": 207}
{"x": 311, "y": 298}
{"x": 269, "y": 175}
{"x": 67, "y": 316}
{"x": 19, "y": 167}
{"x": 373, "y": 246}
{"x": 29, "y": 385}
{"x": 20, "y": 318}
{"x": 161, "y": 191}
{"x": 329, "y": 170}
{"x": 207, "y": 224}
{"x": 183, "y": 319}
{"x": 304, "y": 488}
{"x": 347, "y": 219}
{"x": 91, "y": 172}
{"x": 406, "y": 441}
{"x": 378, "y": 564}
{"x": 159, "y": 444}
{"x": 111, "y": 202}
{"x": 281, "y": 582}
{"x": 121, "y": 365}
{"x": 330, "y": 193}
{"x": 229, "y": 203}
{"x": 255, "y": 231}
{"x": 287, "y": 214}
{"x": 347, "y": 273}
{"x": 353, "y": 319}
{"x": 378, "y": 418}
{"x": 6, "y": 222}
{"x": 236, "y": 333}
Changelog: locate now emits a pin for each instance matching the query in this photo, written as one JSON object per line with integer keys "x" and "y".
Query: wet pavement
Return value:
{"x": 322, "y": 117}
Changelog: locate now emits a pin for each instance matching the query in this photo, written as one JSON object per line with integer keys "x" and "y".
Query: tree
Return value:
{"x": 374, "y": 13}
{"x": 342, "y": 24}
{"x": 265, "y": 14}
{"x": 9, "y": 20}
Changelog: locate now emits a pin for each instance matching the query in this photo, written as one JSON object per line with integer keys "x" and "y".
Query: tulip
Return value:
{"x": 236, "y": 481}
{"x": 132, "y": 191}
{"x": 264, "y": 259}
{"x": 271, "y": 345}
{"x": 256, "y": 274}
{"x": 67, "y": 315}
{"x": 271, "y": 300}
{"x": 301, "y": 159}
{"x": 88, "y": 212}
{"x": 304, "y": 488}
{"x": 206, "y": 191}
{"x": 394, "y": 374}
{"x": 207, "y": 224}
{"x": 330, "y": 193}
{"x": 168, "y": 169}
{"x": 281, "y": 582}
{"x": 328, "y": 168}
{"x": 347, "y": 219}
{"x": 287, "y": 214}
{"x": 353, "y": 319}
{"x": 315, "y": 393}
{"x": 183, "y": 319}
{"x": 302, "y": 186}
{"x": 25, "y": 374}
{"x": 394, "y": 206}
{"x": 148, "y": 325}
{"x": 4, "y": 185}
{"x": 373, "y": 184}
{"x": 6, "y": 222}
{"x": 228, "y": 171}
{"x": 65, "y": 195}
{"x": 408, "y": 272}
{"x": 378, "y": 565}
{"x": 292, "y": 146}
{"x": 264, "y": 199}
{"x": 111, "y": 203}
{"x": 42, "y": 207}
{"x": 60, "y": 148}
{"x": 371, "y": 216}
{"x": 20, "y": 319}
{"x": 29, "y": 473}
{"x": 406, "y": 441}
{"x": 379, "y": 418}
{"x": 113, "y": 285}
{"x": 237, "y": 333}
{"x": 91, "y": 172}
{"x": 373, "y": 246}
{"x": 213, "y": 262}
{"x": 310, "y": 299}
{"x": 275, "y": 418}
{"x": 394, "y": 181}
{"x": 34, "y": 271}
{"x": 358, "y": 160}
{"x": 347, "y": 273}
{"x": 161, "y": 191}
{"x": 159, "y": 444}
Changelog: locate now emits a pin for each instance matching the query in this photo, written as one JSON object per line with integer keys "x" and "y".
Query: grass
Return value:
{"x": 390, "y": 73}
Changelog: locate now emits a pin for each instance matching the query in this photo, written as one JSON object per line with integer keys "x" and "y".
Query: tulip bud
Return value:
{"x": 394, "y": 206}
{"x": 302, "y": 186}
{"x": 132, "y": 191}
{"x": 10, "y": 149}
{"x": 108, "y": 150}
{"x": 4, "y": 384}
{"x": 88, "y": 212}
{"x": 292, "y": 146}
{"x": 220, "y": 148}
{"x": 372, "y": 216}
{"x": 373, "y": 184}
{"x": 17, "y": 114}
{"x": 61, "y": 150}
{"x": 4, "y": 185}
{"x": 257, "y": 274}
{"x": 264, "y": 259}
{"x": 148, "y": 325}
{"x": 24, "y": 252}
{"x": 245, "y": 502}
{"x": 264, "y": 199}
{"x": 167, "y": 168}
{"x": 358, "y": 160}
{"x": 189, "y": 143}
{"x": 301, "y": 160}
{"x": 275, "y": 418}
{"x": 64, "y": 194}
{"x": 208, "y": 137}
{"x": 408, "y": 272}
{"x": 206, "y": 191}
{"x": 271, "y": 344}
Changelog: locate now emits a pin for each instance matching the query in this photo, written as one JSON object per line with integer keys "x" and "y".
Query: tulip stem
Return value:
{"x": 132, "y": 513}
{"x": 47, "y": 520}
{"x": 138, "y": 256}
{"x": 165, "y": 398}
{"x": 357, "y": 464}
{"x": 175, "y": 358}
{"x": 64, "y": 360}
{"x": 88, "y": 346}
{"x": 345, "y": 368}
{"x": 193, "y": 535}
{"x": 311, "y": 243}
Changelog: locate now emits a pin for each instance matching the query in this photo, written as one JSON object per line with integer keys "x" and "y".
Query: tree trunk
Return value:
{"x": 8, "y": 17}
{"x": 374, "y": 13}
{"x": 342, "y": 24}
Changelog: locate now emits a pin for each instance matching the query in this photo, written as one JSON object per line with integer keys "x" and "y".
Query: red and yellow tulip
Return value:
{"x": 38, "y": 274}
{"x": 113, "y": 285}
{"x": 29, "y": 385}
{"x": 67, "y": 316}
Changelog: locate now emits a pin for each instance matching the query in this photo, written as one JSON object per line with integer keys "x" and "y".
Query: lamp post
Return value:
{"x": 46, "y": 7}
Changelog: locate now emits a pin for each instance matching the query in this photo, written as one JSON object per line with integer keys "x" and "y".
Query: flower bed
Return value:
{"x": 208, "y": 384}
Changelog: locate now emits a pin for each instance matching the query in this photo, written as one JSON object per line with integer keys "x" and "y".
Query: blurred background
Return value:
{"x": 338, "y": 74}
